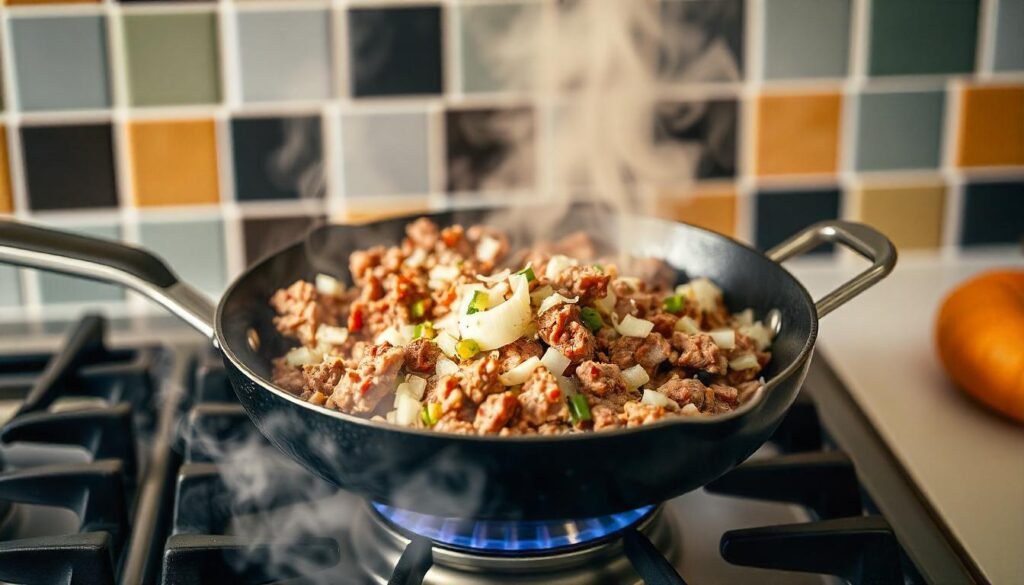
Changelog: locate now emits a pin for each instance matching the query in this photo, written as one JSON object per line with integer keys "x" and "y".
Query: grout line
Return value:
{"x": 985, "y": 46}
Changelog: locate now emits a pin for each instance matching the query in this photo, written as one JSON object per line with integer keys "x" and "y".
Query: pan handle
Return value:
{"x": 861, "y": 238}
{"x": 58, "y": 251}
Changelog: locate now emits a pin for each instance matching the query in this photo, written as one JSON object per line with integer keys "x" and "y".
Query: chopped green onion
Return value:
{"x": 673, "y": 304}
{"x": 591, "y": 318}
{"x": 528, "y": 273}
{"x": 478, "y": 303}
{"x": 431, "y": 413}
{"x": 418, "y": 309}
{"x": 599, "y": 268}
{"x": 467, "y": 348}
{"x": 424, "y": 329}
{"x": 578, "y": 408}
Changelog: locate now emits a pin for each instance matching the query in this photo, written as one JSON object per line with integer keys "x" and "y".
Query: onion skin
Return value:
{"x": 979, "y": 333}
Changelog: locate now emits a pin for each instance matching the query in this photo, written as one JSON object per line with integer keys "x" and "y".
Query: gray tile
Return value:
{"x": 10, "y": 287}
{"x": 496, "y": 52}
{"x": 385, "y": 154}
{"x": 56, "y": 288}
{"x": 900, "y": 130}
{"x": 1010, "y": 36}
{"x": 285, "y": 55}
{"x": 61, "y": 62}
{"x": 806, "y": 38}
{"x": 193, "y": 249}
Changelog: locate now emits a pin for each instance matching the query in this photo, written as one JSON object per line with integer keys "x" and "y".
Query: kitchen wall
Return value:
{"x": 215, "y": 131}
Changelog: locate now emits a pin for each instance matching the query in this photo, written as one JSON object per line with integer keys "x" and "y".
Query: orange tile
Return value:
{"x": 798, "y": 134}
{"x": 359, "y": 215}
{"x": 174, "y": 162}
{"x": 992, "y": 126}
{"x": 713, "y": 208}
{"x": 911, "y": 216}
{"x": 6, "y": 197}
{"x": 29, "y": 2}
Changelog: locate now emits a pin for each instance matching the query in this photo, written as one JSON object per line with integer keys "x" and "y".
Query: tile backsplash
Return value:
{"x": 216, "y": 131}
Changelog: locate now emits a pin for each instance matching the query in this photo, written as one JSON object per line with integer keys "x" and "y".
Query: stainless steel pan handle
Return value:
{"x": 58, "y": 251}
{"x": 863, "y": 239}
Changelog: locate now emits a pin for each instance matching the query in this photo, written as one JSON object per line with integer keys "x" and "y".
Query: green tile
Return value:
{"x": 57, "y": 288}
{"x": 1010, "y": 36}
{"x": 806, "y": 38}
{"x": 495, "y": 54}
{"x": 10, "y": 286}
{"x": 172, "y": 58}
{"x": 923, "y": 36}
{"x": 194, "y": 249}
{"x": 900, "y": 130}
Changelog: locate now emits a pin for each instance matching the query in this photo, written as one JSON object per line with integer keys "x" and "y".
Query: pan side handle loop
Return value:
{"x": 95, "y": 259}
{"x": 863, "y": 239}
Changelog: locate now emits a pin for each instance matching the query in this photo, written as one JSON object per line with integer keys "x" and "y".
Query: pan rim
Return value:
{"x": 702, "y": 421}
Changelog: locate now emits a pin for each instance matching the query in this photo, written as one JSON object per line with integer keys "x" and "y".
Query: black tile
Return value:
{"x": 708, "y": 125}
{"x": 704, "y": 32}
{"x": 993, "y": 213}
{"x": 69, "y": 167}
{"x": 278, "y": 158}
{"x": 780, "y": 214}
{"x": 266, "y": 235}
{"x": 490, "y": 149}
{"x": 395, "y": 51}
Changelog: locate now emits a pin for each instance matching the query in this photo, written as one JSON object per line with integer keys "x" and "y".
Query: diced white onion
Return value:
{"x": 690, "y": 410}
{"x": 554, "y": 361}
{"x": 416, "y": 259}
{"x": 703, "y": 292}
{"x": 331, "y": 335}
{"x": 417, "y": 385}
{"x": 328, "y": 285}
{"x": 606, "y": 304}
{"x": 520, "y": 373}
{"x": 555, "y": 299}
{"x": 407, "y": 412}
{"x": 566, "y": 385}
{"x": 397, "y": 337}
{"x": 487, "y": 250}
{"x": 631, "y": 326}
{"x": 496, "y": 278}
{"x": 449, "y": 323}
{"x": 541, "y": 293}
{"x": 303, "y": 356}
{"x": 558, "y": 264}
{"x": 723, "y": 338}
{"x": 401, "y": 390}
{"x": 635, "y": 377}
{"x": 687, "y": 325}
{"x": 655, "y": 398}
{"x": 445, "y": 367}
{"x": 390, "y": 417}
{"x": 502, "y": 324}
{"x": 446, "y": 343}
{"x": 444, "y": 273}
{"x": 744, "y": 362}
{"x": 745, "y": 317}
{"x": 761, "y": 335}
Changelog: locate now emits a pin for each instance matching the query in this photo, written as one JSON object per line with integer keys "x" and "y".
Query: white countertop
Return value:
{"x": 967, "y": 461}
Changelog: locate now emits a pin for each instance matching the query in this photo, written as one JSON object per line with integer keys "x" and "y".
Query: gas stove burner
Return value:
{"x": 509, "y": 536}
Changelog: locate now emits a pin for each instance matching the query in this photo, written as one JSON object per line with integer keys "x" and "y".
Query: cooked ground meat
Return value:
{"x": 419, "y": 288}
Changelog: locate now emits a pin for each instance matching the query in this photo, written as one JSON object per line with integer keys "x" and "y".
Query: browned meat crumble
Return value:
{"x": 432, "y": 334}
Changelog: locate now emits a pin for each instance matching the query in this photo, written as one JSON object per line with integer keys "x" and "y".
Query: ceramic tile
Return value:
{"x": 10, "y": 287}
{"x": 1009, "y": 41}
{"x": 365, "y": 214}
{"x": 395, "y": 50}
{"x": 914, "y": 37}
{"x": 806, "y": 38}
{"x": 992, "y": 126}
{"x": 180, "y": 243}
{"x": 61, "y": 62}
{"x": 174, "y": 162}
{"x": 266, "y": 235}
{"x": 385, "y": 154}
{"x": 278, "y": 158}
{"x": 993, "y": 213}
{"x": 704, "y": 40}
{"x": 911, "y": 216}
{"x": 172, "y": 58}
{"x": 709, "y": 208}
{"x": 781, "y": 214}
{"x": 56, "y": 288}
{"x": 6, "y": 196}
{"x": 798, "y": 134}
{"x": 37, "y": 2}
{"x": 496, "y": 51}
{"x": 83, "y": 153}
{"x": 285, "y": 55}
{"x": 706, "y": 128}
{"x": 900, "y": 130}
{"x": 490, "y": 149}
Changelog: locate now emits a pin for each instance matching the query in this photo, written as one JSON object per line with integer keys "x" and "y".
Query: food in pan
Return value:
{"x": 434, "y": 334}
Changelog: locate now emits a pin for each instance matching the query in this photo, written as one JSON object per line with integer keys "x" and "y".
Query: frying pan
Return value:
{"x": 487, "y": 477}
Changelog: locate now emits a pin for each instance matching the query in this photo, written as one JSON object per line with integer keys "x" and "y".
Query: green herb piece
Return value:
{"x": 418, "y": 309}
{"x": 673, "y": 304}
{"x": 424, "y": 329}
{"x": 591, "y": 318}
{"x": 579, "y": 410}
{"x": 478, "y": 303}
{"x": 599, "y": 268}
{"x": 431, "y": 413}
{"x": 467, "y": 348}
{"x": 528, "y": 273}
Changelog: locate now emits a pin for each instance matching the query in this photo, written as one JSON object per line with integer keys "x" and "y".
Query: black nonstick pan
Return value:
{"x": 488, "y": 477}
